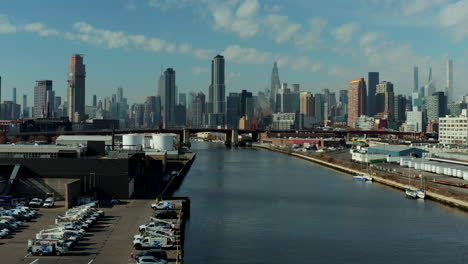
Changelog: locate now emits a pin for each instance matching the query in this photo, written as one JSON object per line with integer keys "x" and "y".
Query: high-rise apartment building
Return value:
{"x": 94, "y": 100}
{"x": 197, "y": 110}
{"x": 182, "y": 99}
{"x": 245, "y": 103}
{"x": 307, "y": 104}
{"x": 373, "y": 80}
{"x": 168, "y": 98}
{"x": 76, "y": 88}
{"x": 119, "y": 94}
{"x": 43, "y": 102}
{"x": 436, "y": 106}
{"x": 429, "y": 88}
{"x": 449, "y": 87}
{"x": 357, "y": 97}
{"x": 233, "y": 109}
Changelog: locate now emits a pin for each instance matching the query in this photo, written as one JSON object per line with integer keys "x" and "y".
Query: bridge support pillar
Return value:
{"x": 234, "y": 137}
{"x": 255, "y": 136}
{"x": 186, "y": 137}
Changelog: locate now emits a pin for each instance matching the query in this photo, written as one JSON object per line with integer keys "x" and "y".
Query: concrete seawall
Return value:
{"x": 431, "y": 195}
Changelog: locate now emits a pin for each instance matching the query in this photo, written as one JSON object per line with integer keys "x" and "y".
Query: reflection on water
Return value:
{"x": 256, "y": 206}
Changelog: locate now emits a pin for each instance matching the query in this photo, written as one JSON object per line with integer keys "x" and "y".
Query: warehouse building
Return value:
{"x": 396, "y": 150}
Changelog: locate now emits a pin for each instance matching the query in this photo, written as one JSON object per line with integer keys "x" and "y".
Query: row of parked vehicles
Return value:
{"x": 157, "y": 235}
{"x": 11, "y": 220}
{"x": 69, "y": 229}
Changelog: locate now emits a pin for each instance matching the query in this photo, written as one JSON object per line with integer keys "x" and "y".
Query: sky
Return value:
{"x": 318, "y": 44}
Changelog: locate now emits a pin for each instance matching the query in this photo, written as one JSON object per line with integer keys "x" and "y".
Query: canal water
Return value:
{"x": 257, "y": 206}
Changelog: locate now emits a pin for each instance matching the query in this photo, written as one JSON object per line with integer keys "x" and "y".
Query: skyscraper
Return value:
{"x": 25, "y": 106}
{"x": 94, "y": 100}
{"x": 307, "y": 104}
{"x": 244, "y": 100}
{"x": 357, "y": 100}
{"x": 233, "y": 109}
{"x": 197, "y": 110}
{"x": 183, "y": 99}
{"x": 168, "y": 98}
{"x": 415, "y": 79}
{"x": 385, "y": 98}
{"x": 42, "y": 99}
{"x": 373, "y": 79}
{"x": 0, "y": 88}
{"x": 14, "y": 95}
{"x": 76, "y": 88}
{"x": 119, "y": 94}
{"x": 429, "y": 88}
{"x": 275, "y": 84}
{"x": 449, "y": 88}
{"x": 217, "y": 76}
{"x": 216, "y": 106}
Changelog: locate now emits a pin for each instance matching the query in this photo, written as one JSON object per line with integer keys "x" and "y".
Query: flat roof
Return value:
{"x": 84, "y": 137}
{"x": 397, "y": 148}
{"x": 38, "y": 148}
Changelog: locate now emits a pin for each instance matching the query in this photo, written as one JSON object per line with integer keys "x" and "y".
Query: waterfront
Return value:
{"x": 256, "y": 206}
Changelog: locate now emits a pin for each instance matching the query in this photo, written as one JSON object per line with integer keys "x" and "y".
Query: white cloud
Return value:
{"x": 237, "y": 54}
{"x": 101, "y": 37}
{"x": 168, "y": 4}
{"x": 199, "y": 70}
{"x": 41, "y": 29}
{"x": 185, "y": 48}
{"x": 203, "y": 54}
{"x": 312, "y": 38}
{"x": 280, "y": 28}
{"x": 345, "y": 32}
{"x": 233, "y": 75}
{"x": 171, "y": 48}
{"x": 454, "y": 17}
{"x": 6, "y": 26}
{"x": 241, "y": 21}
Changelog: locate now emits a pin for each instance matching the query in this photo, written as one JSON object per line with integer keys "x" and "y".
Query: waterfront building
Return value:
{"x": 287, "y": 121}
{"x": 307, "y": 104}
{"x": 357, "y": 100}
{"x": 76, "y": 88}
{"x": 44, "y": 98}
{"x": 373, "y": 80}
{"x": 167, "y": 94}
{"x": 454, "y": 129}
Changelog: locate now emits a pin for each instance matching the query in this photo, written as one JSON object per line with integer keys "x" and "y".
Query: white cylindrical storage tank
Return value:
{"x": 402, "y": 162}
{"x": 411, "y": 164}
{"x": 415, "y": 165}
{"x": 446, "y": 171}
{"x": 163, "y": 142}
{"x": 146, "y": 142}
{"x": 433, "y": 168}
{"x": 132, "y": 141}
{"x": 459, "y": 173}
{"x": 465, "y": 175}
{"x": 439, "y": 170}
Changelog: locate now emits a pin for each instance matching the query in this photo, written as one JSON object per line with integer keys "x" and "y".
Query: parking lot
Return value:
{"x": 108, "y": 241}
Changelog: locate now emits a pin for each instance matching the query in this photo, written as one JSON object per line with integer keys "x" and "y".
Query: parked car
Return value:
{"x": 157, "y": 253}
{"x": 163, "y": 205}
{"x": 150, "y": 260}
{"x": 168, "y": 214}
{"x": 35, "y": 202}
{"x": 49, "y": 202}
{"x": 4, "y": 233}
{"x": 115, "y": 200}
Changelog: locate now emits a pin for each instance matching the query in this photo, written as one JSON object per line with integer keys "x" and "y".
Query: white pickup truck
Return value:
{"x": 152, "y": 242}
{"x": 155, "y": 226}
{"x": 163, "y": 205}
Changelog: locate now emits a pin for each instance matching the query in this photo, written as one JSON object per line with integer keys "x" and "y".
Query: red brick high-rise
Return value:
{"x": 357, "y": 100}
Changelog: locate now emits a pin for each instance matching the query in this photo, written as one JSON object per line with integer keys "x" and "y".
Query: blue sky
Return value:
{"x": 318, "y": 44}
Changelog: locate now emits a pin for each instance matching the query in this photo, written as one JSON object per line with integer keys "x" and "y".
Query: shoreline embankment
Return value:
{"x": 451, "y": 201}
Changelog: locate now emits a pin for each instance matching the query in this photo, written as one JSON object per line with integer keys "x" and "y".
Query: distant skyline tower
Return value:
{"x": 429, "y": 88}
{"x": 94, "y": 100}
{"x": 219, "y": 88}
{"x": 0, "y": 89}
{"x": 373, "y": 79}
{"x": 76, "y": 88}
{"x": 415, "y": 79}
{"x": 14, "y": 95}
{"x": 168, "y": 99}
{"x": 119, "y": 94}
{"x": 275, "y": 83}
{"x": 357, "y": 100}
{"x": 42, "y": 99}
{"x": 449, "y": 87}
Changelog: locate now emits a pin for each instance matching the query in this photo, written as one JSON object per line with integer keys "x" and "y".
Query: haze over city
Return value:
{"x": 317, "y": 44}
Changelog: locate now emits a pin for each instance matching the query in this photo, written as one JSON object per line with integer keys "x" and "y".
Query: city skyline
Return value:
{"x": 249, "y": 54}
